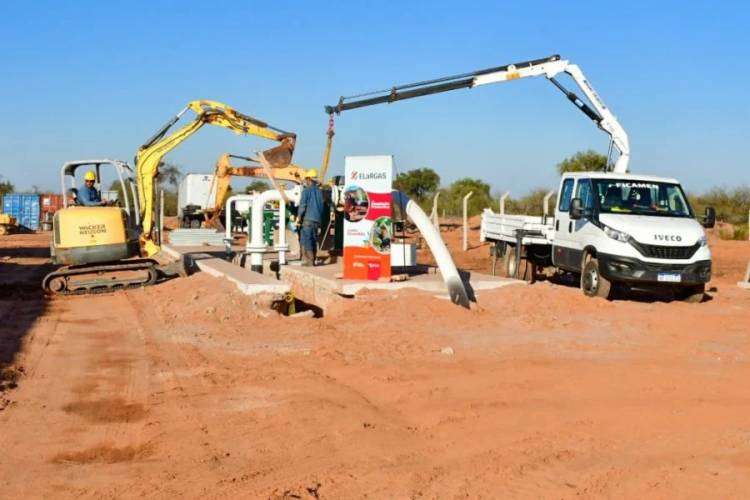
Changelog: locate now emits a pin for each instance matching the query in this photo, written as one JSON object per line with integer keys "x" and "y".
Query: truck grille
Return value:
{"x": 664, "y": 252}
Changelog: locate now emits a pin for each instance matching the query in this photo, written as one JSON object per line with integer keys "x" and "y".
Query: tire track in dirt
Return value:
{"x": 84, "y": 401}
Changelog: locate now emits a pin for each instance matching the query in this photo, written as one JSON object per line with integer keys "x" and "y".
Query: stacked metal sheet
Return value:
{"x": 196, "y": 237}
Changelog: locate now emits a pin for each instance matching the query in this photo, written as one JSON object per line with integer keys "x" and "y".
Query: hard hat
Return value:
{"x": 311, "y": 173}
{"x": 90, "y": 176}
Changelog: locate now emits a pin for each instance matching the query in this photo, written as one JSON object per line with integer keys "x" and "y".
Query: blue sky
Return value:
{"x": 91, "y": 79}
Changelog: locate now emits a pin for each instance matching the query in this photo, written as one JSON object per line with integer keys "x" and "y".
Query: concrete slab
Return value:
{"x": 247, "y": 281}
{"x": 319, "y": 285}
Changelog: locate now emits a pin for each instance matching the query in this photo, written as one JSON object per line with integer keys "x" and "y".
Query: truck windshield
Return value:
{"x": 641, "y": 198}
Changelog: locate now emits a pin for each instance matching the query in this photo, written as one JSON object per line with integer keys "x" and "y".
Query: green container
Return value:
{"x": 270, "y": 222}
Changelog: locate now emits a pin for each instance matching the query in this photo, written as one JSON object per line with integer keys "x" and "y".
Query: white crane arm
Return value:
{"x": 603, "y": 117}
{"x": 549, "y": 67}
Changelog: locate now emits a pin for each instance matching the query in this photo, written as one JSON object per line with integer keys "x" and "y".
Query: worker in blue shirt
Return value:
{"x": 309, "y": 215}
{"x": 88, "y": 195}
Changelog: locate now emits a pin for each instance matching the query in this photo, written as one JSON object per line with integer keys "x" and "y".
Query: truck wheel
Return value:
{"x": 195, "y": 224}
{"x": 526, "y": 268}
{"x": 693, "y": 294}
{"x": 593, "y": 283}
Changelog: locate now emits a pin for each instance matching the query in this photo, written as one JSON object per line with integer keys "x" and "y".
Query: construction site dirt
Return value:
{"x": 190, "y": 389}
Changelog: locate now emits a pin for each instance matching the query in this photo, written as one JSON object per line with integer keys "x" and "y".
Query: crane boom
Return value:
{"x": 548, "y": 67}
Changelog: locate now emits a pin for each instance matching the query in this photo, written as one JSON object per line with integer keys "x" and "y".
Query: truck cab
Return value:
{"x": 633, "y": 230}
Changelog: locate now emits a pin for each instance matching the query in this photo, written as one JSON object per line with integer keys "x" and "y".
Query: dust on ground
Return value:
{"x": 190, "y": 389}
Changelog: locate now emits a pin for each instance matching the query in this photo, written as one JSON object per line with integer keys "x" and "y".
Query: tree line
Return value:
{"x": 422, "y": 184}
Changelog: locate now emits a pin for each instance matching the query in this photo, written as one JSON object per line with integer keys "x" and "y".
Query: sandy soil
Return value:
{"x": 189, "y": 389}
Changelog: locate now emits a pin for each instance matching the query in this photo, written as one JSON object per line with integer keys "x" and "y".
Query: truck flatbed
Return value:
{"x": 532, "y": 229}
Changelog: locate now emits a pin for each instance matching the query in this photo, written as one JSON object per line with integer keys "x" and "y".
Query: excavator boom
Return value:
{"x": 215, "y": 113}
{"x": 225, "y": 171}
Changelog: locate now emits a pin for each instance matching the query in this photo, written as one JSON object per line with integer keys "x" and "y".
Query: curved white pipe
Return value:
{"x": 256, "y": 246}
{"x": 431, "y": 234}
{"x": 228, "y": 211}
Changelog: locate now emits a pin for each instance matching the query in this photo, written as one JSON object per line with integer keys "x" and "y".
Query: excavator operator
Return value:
{"x": 88, "y": 195}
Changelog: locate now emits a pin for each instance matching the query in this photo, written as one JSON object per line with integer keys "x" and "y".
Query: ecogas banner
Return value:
{"x": 368, "y": 226}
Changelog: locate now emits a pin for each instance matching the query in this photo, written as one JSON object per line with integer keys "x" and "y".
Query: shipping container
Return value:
{"x": 25, "y": 208}
{"x": 50, "y": 203}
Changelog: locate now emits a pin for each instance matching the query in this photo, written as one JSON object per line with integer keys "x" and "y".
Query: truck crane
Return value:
{"x": 549, "y": 67}
{"x": 614, "y": 229}
{"x": 112, "y": 247}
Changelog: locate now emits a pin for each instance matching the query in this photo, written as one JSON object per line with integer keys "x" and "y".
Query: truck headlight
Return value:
{"x": 703, "y": 241}
{"x": 615, "y": 234}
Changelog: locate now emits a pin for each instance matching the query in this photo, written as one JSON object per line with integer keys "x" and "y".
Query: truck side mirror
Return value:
{"x": 576, "y": 208}
{"x": 709, "y": 220}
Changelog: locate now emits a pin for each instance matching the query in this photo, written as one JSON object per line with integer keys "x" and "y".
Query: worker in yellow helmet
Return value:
{"x": 88, "y": 195}
{"x": 310, "y": 214}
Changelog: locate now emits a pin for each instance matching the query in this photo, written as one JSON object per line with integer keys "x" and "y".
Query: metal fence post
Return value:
{"x": 434, "y": 214}
{"x": 466, "y": 220}
{"x": 546, "y": 205}
{"x": 502, "y": 202}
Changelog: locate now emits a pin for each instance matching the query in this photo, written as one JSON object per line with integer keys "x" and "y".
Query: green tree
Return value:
{"x": 169, "y": 175}
{"x": 530, "y": 204}
{"x": 6, "y": 187}
{"x": 451, "y": 199}
{"x": 170, "y": 203}
{"x": 420, "y": 184}
{"x": 169, "y": 179}
{"x": 257, "y": 185}
{"x": 583, "y": 161}
{"x": 731, "y": 206}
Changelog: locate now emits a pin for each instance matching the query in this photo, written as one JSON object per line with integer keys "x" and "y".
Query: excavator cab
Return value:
{"x": 89, "y": 235}
{"x": 91, "y": 241}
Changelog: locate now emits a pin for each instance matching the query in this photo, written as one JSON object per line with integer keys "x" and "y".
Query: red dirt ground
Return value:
{"x": 189, "y": 389}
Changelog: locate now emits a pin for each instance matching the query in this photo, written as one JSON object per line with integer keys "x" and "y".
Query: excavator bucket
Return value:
{"x": 281, "y": 155}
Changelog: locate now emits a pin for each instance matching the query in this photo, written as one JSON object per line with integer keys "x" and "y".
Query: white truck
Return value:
{"x": 613, "y": 229}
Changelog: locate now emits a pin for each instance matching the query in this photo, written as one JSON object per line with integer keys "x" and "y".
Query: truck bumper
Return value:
{"x": 629, "y": 270}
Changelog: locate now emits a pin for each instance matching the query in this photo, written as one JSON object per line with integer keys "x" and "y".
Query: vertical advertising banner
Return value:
{"x": 368, "y": 224}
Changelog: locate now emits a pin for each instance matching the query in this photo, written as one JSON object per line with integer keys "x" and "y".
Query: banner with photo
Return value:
{"x": 368, "y": 224}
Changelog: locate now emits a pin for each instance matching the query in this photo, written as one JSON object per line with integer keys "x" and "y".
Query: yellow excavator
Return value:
{"x": 102, "y": 248}
{"x": 224, "y": 172}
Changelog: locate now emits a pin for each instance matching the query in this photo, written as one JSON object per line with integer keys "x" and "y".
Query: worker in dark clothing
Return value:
{"x": 88, "y": 195}
{"x": 309, "y": 215}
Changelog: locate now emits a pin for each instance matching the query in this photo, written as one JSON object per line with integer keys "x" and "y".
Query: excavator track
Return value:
{"x": 59, "y": 283}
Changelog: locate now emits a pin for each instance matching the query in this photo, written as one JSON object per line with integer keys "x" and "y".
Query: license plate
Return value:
{"x": 669, "y": 277}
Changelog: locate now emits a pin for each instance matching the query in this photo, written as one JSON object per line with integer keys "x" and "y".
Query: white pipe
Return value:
{"x": 466, "y": 220}
{"x": 502, "y": 202}
{"x": 431, "y": 234}
{"x": 228, "y": 211}
{"x": 282, "y": 246}
{"x": 256, "y": 246}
